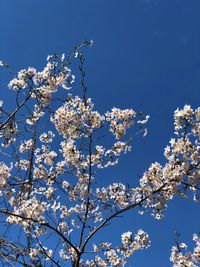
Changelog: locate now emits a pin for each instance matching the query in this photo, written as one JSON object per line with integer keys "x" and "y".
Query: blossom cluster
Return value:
{"x": 45, "y": 81}
{"x": 27, "y": 208}
{"x": 120, "y": 121}
{"x": 182, "y": 169}
{"x": 189, "y": 259}
{"x": 115, "y": 193}
{"x": 117, "y": 256}
{"x": 4, "y": 174}
{"x": 76, "y": 118}
{"x": 21, "y": 81}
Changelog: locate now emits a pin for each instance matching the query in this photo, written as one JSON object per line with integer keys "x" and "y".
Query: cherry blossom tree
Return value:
{"x": 52, "y": 147}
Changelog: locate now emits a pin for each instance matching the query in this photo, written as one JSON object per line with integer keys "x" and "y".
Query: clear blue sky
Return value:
{"x": 146, "y": 56}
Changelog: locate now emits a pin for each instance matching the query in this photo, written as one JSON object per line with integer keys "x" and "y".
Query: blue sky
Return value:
{"x": 146, "y": 56}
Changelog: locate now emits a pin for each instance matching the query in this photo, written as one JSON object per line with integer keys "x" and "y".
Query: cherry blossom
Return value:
{"x": 54, "y": 145}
